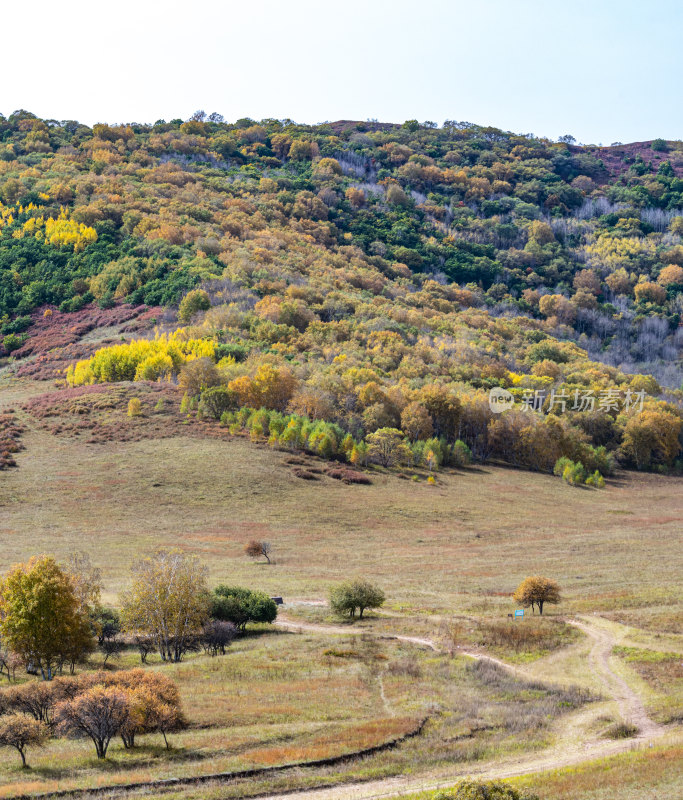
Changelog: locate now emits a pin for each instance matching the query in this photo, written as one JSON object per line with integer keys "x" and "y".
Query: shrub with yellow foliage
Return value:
{"x": 141, "y": 359}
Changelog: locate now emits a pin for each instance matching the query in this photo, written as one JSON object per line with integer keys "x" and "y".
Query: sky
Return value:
{"x": 602, "y": 71}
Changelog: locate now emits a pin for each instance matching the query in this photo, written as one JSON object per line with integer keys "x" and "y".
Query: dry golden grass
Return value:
{"x": 639, "y": 775}
{"x": 461, "y": 545}
{"x": 279, "y": 698}
{"x": 455, "y": 550}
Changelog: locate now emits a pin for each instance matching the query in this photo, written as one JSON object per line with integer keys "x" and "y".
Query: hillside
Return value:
{"x": 351, "y": 277}
{"x": 258, "y": 361}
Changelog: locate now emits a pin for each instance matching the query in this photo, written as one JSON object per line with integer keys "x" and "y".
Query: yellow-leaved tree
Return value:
{"x": 168, "y": 601}
{"x": 42, "y": 618}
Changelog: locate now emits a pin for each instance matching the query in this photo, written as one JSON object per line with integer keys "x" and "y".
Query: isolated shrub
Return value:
{"x": 134, "y": 407}
{"x": 621, "y": 730}
{"x": 572, "y": 473}
{"x": 258, "y": 548}
{"x": 487, "y": 790}
{"x": 596, "y": 480}
{"x": 355, "y": 596}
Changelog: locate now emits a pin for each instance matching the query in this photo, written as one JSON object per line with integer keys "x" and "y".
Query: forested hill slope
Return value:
{"x": 369, "y": 266}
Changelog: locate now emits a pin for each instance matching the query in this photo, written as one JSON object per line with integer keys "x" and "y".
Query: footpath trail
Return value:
{"x": 566, "y": 753}
{"x": 338, "y": 630}
{"x": 630, "y": 704}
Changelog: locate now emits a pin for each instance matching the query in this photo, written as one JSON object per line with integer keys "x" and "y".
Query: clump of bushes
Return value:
{"x": 241, "y": 606}
{"x": 487, "y": 790}
{"x": 348, "y": 475}
{"x": 96, "y": 705}
{"x": 10, "y": 434}
{"x": 13, "y": 341}
{"x": 292, "y": 432}
{"x": 621, "y": 730}
{"x": 575, "y": 474}
{"x": 141, "y": 359}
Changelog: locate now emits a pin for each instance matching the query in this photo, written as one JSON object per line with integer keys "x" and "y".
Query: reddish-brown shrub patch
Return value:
{"x": 304, "y": 474}
{"x": 348, "y": 475}
{"x": 10, "y": 434}
{"x": 56, "y": 340}
{"x": 99, "y": 413}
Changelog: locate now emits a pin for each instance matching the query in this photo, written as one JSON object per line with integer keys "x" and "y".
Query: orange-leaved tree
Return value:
{"x": 536, "y": 591}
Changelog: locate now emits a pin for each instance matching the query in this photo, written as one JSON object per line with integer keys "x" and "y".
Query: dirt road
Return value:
{"x": 630, "y": 705}
{"x": 564, "y": 754}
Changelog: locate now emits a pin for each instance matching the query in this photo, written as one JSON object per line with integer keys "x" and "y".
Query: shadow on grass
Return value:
{"x": 119, "y": 760}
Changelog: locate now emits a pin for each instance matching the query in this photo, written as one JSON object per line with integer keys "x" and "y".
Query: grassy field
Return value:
{"x": 275, "y": 699}
{"x": 638, "y": 775}
{"x": 459, "y": 546}
{"x": 448, "y": 557}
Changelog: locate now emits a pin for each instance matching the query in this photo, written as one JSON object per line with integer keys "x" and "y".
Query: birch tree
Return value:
{"x": 167, "y": 601}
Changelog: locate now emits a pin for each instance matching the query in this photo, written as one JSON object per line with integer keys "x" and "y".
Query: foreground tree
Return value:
{"x": 42, "y": 618}
{"x": 20, "y": 731}
{"x": 536, "y": 591}
{"x": 168, "y": 601}
{"x": 154, "y": 704}
{"x": 355, "y": 596}
{"x": 99, "y": 713}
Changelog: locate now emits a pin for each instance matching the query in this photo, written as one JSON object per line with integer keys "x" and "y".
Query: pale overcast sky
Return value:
{"x": 601, "y": 70}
